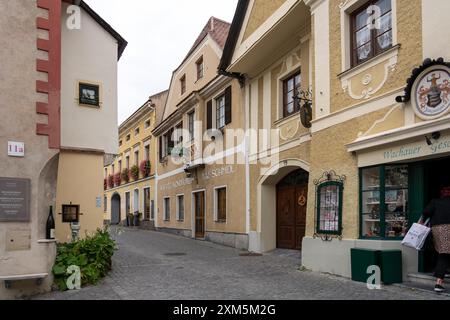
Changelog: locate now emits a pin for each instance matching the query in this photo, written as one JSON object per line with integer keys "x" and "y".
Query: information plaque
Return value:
{"x": 14, "y": 200}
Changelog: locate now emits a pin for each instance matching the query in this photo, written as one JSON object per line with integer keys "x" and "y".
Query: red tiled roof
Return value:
{"x": 217, "y": 29}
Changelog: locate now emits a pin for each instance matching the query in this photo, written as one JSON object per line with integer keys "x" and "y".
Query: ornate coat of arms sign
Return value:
{"x": 429, "y": 90}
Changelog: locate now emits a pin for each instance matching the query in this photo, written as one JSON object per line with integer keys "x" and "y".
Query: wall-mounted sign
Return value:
{"x": 15, "y": 200}
{"x": 215, "y": 173}
{"x": 16, "y": 149}
{"x": 428, "y": 89}
{"x": 431, "y": 90}
{"x": 89, "y": 94}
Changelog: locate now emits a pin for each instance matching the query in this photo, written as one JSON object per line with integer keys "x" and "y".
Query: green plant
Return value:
{"x": 126, "y": 175}
{"x": 93, "y": 255}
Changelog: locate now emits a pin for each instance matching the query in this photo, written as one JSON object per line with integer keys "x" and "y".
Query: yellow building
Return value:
{"x": 129, "y": 177}
{"x": 377, "y": 148}
{"x": 201, "y": 169}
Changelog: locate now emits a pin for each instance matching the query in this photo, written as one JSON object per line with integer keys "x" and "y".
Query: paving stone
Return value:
{"x": 145, "y": 268}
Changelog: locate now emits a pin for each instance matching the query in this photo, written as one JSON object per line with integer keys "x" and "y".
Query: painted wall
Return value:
{"x": 80, "y": 182}
{"x": 90, "y": 55}
{"x": 435, "y": 29}
{"x": 18, "y": 113}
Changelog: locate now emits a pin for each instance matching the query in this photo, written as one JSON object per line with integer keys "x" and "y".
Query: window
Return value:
{"x": 113, "y": 169}
{"x": 128, "y": 137}
{"x": 371, "y": 36}
{"x": 178, "y": 137}
{"x": 221, "y": 205}
{"x": 105, "y": 204}
{"x": 106, "y": 173}
{"x": 191, "y": 120}
{"x": 183, "y": 84}
{"x": 120, "y": 165}
{"x": 220, "y": 112}
{"x": 137, "y": 131}
{"x": 127, "y": 203}
{"x": 147, "y": 152}
{"x": 120, "y": 143}
{"x": 152, "y": 210}
{"x": 168, "y": 143}
{"x": 180, "y": 208}
{"x": 329, "y": 208}
{"x": 291, "y": 87}
{"x": 136, "y": 158}
{"x": 384, "y": 202}
{"x": 127, "y": 162}
{"x": 167, "y": 209}
{"x": 200, "y": 68}
{"x": 147, "y": 124}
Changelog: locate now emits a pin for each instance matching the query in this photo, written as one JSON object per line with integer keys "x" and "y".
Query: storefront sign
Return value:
{"x": 14, "y": 199}
{"x": 176, "y": 184}
{"x": 16, "y": 149}
{"x": 215, "y": 173}
{"x": 404, "y": 152}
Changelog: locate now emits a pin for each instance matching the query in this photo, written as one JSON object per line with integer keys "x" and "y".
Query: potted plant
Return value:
{"x": 111, "y": 181}
{"x": 117, "y": 179}
{"x": 134, "y": 173}
{"x": 145, "y": 168}
{"x": 126, "y": 175}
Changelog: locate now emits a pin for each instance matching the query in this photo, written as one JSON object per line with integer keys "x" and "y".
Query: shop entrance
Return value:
{"x": 436, "y": 177}
{"x": 292, "y": 195}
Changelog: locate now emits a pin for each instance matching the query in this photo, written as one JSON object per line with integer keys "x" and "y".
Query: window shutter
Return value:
{"x": 228, "y": 104}
{"x": 160, "y": 148}
{"x": 209, "y": 119}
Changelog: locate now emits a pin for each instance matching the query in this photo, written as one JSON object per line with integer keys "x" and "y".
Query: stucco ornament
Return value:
{"x": 288, "y": 132}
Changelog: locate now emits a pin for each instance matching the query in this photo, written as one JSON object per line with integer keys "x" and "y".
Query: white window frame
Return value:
{"x": 216, "y": 205}
{"x": 280, "y": 88}
{"x": 178, "y": 207}
{"x": 216, "y": 109}
{"x": 165, "y": 209}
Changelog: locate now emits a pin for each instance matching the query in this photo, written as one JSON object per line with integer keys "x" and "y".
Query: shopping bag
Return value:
{"x": 416, "y": 236}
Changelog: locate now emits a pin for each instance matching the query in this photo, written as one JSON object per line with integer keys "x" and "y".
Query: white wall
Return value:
{"x": 90, "y": 55}
{"x": 436, "y": 29}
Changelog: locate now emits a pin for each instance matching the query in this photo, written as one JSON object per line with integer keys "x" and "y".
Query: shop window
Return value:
{"x": 180, "y": 208}
{"x": 291, "y": 87}
{"x": 221, "y": 205}
{"x": 371, "y": 28}
{"x": 329, "y": 208}
{"x": 384, "y": 202}
{"x": 166, "y": 209}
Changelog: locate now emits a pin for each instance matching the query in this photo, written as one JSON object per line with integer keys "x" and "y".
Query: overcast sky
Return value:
{"x": 159, "y": 33}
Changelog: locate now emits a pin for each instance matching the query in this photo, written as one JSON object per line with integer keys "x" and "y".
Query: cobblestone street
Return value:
{"x": 154, "y": 266}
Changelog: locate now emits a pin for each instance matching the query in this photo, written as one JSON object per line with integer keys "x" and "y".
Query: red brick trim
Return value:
{"x": 53, "y": 68}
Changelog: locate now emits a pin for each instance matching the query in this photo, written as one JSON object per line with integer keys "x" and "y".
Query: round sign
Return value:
{"x": 431, "y": 93}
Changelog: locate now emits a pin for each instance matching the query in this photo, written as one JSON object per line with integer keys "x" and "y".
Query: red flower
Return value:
{"x": 145, "y": 168}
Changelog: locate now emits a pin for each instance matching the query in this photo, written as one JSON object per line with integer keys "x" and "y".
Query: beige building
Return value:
{"x": 130, "y": 176}
{"x": 59, "y": 114}
{"x": 200, "y": 189}
{"x": 378, "y": 144}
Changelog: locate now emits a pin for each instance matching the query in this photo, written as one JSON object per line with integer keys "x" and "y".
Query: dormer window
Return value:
{"x": 183, "y": 84}
{"x": 200, "y": 68}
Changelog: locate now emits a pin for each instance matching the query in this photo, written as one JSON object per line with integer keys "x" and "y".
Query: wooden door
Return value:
{"x": 291, "y": 216}
{"x": 199, "y": 205}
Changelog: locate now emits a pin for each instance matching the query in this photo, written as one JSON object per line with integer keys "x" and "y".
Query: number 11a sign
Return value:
{"x": 16, "y": 149}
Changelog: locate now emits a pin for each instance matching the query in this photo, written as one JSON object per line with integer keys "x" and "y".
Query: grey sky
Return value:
{"x": 159, "y": 33}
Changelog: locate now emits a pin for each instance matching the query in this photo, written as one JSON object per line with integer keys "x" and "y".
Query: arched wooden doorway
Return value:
{"x": 292, "y": 200}
{"x": 115, "y": 209}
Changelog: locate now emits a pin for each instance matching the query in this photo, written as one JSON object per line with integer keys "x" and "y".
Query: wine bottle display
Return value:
{"x": 50, "y": 225}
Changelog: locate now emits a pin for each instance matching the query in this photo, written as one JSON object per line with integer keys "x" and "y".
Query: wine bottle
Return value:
{"x": 50, "y": 225}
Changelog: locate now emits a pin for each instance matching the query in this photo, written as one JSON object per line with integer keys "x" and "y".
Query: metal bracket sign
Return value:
{"x": 15, "y": 200}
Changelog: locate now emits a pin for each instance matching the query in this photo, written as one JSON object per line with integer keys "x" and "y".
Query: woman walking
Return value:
{"x": 439, "y": 213}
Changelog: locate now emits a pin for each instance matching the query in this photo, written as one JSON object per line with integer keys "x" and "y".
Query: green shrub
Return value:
{"x": 93, "y": 255}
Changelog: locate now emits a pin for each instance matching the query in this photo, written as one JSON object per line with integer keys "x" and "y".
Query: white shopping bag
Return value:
{"x": 416, "y": 236}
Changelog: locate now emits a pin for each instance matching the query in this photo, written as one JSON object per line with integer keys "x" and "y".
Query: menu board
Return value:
{"x": 15, "y": 200}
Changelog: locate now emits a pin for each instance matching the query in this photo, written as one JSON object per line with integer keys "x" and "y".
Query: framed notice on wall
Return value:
{"x": 15, "y": 200}
{"x": 89, "y": 94}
